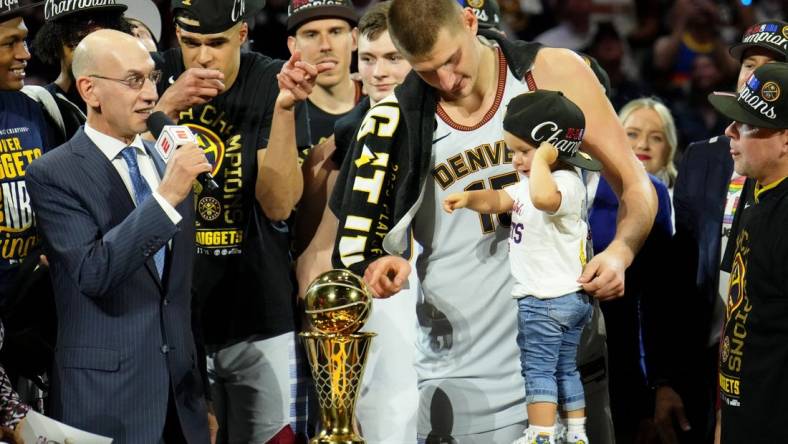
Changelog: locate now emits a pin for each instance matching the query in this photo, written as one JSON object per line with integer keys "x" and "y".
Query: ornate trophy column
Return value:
{"x": 338, "y": 304}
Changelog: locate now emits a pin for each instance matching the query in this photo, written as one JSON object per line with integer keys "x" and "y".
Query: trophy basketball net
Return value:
{"x": 337, "y": 305}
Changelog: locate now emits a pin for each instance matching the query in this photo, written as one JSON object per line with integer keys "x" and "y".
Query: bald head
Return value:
{"x": 114, "y": 76}
{"x": 103, "y": 49}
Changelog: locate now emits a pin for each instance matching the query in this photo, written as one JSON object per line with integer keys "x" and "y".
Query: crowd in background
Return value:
{"x": 674, "y": 50}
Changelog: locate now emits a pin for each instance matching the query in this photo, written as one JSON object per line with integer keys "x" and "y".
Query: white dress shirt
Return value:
{"x": 111, "y": 147}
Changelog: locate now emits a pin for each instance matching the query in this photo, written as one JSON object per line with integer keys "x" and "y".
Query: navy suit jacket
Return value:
{"x": 699, "y": 201}
{"x": 124, "y": 335}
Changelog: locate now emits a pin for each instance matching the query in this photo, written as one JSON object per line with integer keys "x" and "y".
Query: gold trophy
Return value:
{"x": 337, "y": 305}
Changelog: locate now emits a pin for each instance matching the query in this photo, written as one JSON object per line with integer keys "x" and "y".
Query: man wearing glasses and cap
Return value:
{"x": 242, "y": 288}
{"x": 753, "y": 351}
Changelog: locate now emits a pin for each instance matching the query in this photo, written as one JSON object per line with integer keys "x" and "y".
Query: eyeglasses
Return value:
{"x": 134, "y": 81}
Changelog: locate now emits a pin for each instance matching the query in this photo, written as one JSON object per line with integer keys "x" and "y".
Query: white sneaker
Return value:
{"x": 576, "y": 438}
{"x": 531, "y": 437}
{"x": 560, "y": 432}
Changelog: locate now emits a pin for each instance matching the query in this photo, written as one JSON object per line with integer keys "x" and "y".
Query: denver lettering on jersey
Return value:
{"x": 374, "y": 175}
{"x": 471, "y": 161}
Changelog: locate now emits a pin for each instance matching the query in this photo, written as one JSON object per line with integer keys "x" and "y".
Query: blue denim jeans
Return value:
{"x": 549, "y": 334}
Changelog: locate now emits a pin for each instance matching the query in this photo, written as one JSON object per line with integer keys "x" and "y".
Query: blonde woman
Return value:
{"x": 652, "y": 134}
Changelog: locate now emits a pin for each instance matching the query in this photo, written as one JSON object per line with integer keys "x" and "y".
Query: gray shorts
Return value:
{"x": 253, "y": 384}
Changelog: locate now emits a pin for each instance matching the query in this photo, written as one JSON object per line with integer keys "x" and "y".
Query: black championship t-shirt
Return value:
{"x": 754, "y": 345}
{"x": 22, "y": 140}
{"x": 345, "y": 130}
{"x": 313, "y": 125}
{"x": 242, "y": 278}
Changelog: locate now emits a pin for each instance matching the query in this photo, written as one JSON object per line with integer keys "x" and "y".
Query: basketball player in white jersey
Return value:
{"x": 444, "y": 134}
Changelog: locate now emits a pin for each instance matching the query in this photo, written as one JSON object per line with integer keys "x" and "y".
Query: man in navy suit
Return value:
{"x": 705, "y": 198}
{"x": 118, "y": 225}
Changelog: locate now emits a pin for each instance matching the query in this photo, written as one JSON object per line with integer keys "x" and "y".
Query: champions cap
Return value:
{"x": 548, "y": 116}
{"x": 762, "y": 101}
{"x": 487, "y": 12}
{"x": 57, "y": 9}
{"x": 14, "y": 8}
{"x": 213, "y": 16}
{"x": 302, "y": 11}
{"x": 771, "y": 35}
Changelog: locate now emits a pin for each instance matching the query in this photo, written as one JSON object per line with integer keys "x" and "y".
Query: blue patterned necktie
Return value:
{"x": 141, "y": 192}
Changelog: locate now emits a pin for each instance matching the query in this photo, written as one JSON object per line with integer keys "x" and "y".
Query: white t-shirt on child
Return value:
{"x": 547, "y": 251}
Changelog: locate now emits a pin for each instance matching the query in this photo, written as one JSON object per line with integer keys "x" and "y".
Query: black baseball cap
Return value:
{"x": 57, "y": 9}
{"x": 771, "y": 35}
{"x": 760, "y": 102}
{"x": 302, "y": 11}
{"x": 213, "y": 16}
{"x": 15, "y": 8}
{"x": 487, "y": 12}
{"x": 548, "y": 116}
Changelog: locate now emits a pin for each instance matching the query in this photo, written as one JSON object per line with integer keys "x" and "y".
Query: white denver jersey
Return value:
{"x": 467, "y": 357}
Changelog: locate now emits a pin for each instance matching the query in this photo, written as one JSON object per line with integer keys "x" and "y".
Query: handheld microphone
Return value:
{"x": 170, "y": 137}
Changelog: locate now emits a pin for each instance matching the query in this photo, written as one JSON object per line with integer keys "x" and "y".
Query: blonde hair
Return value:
{"x": 668, "y": 173}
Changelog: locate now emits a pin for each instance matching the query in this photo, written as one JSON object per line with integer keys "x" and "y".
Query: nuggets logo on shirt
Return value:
{"x": 211, "y": 144}
{"x": 733, "y": 350}
{"x": 220, "y": 214}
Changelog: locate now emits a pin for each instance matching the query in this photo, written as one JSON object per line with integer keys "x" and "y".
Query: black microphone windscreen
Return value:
{"x": 156, "y": 123}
